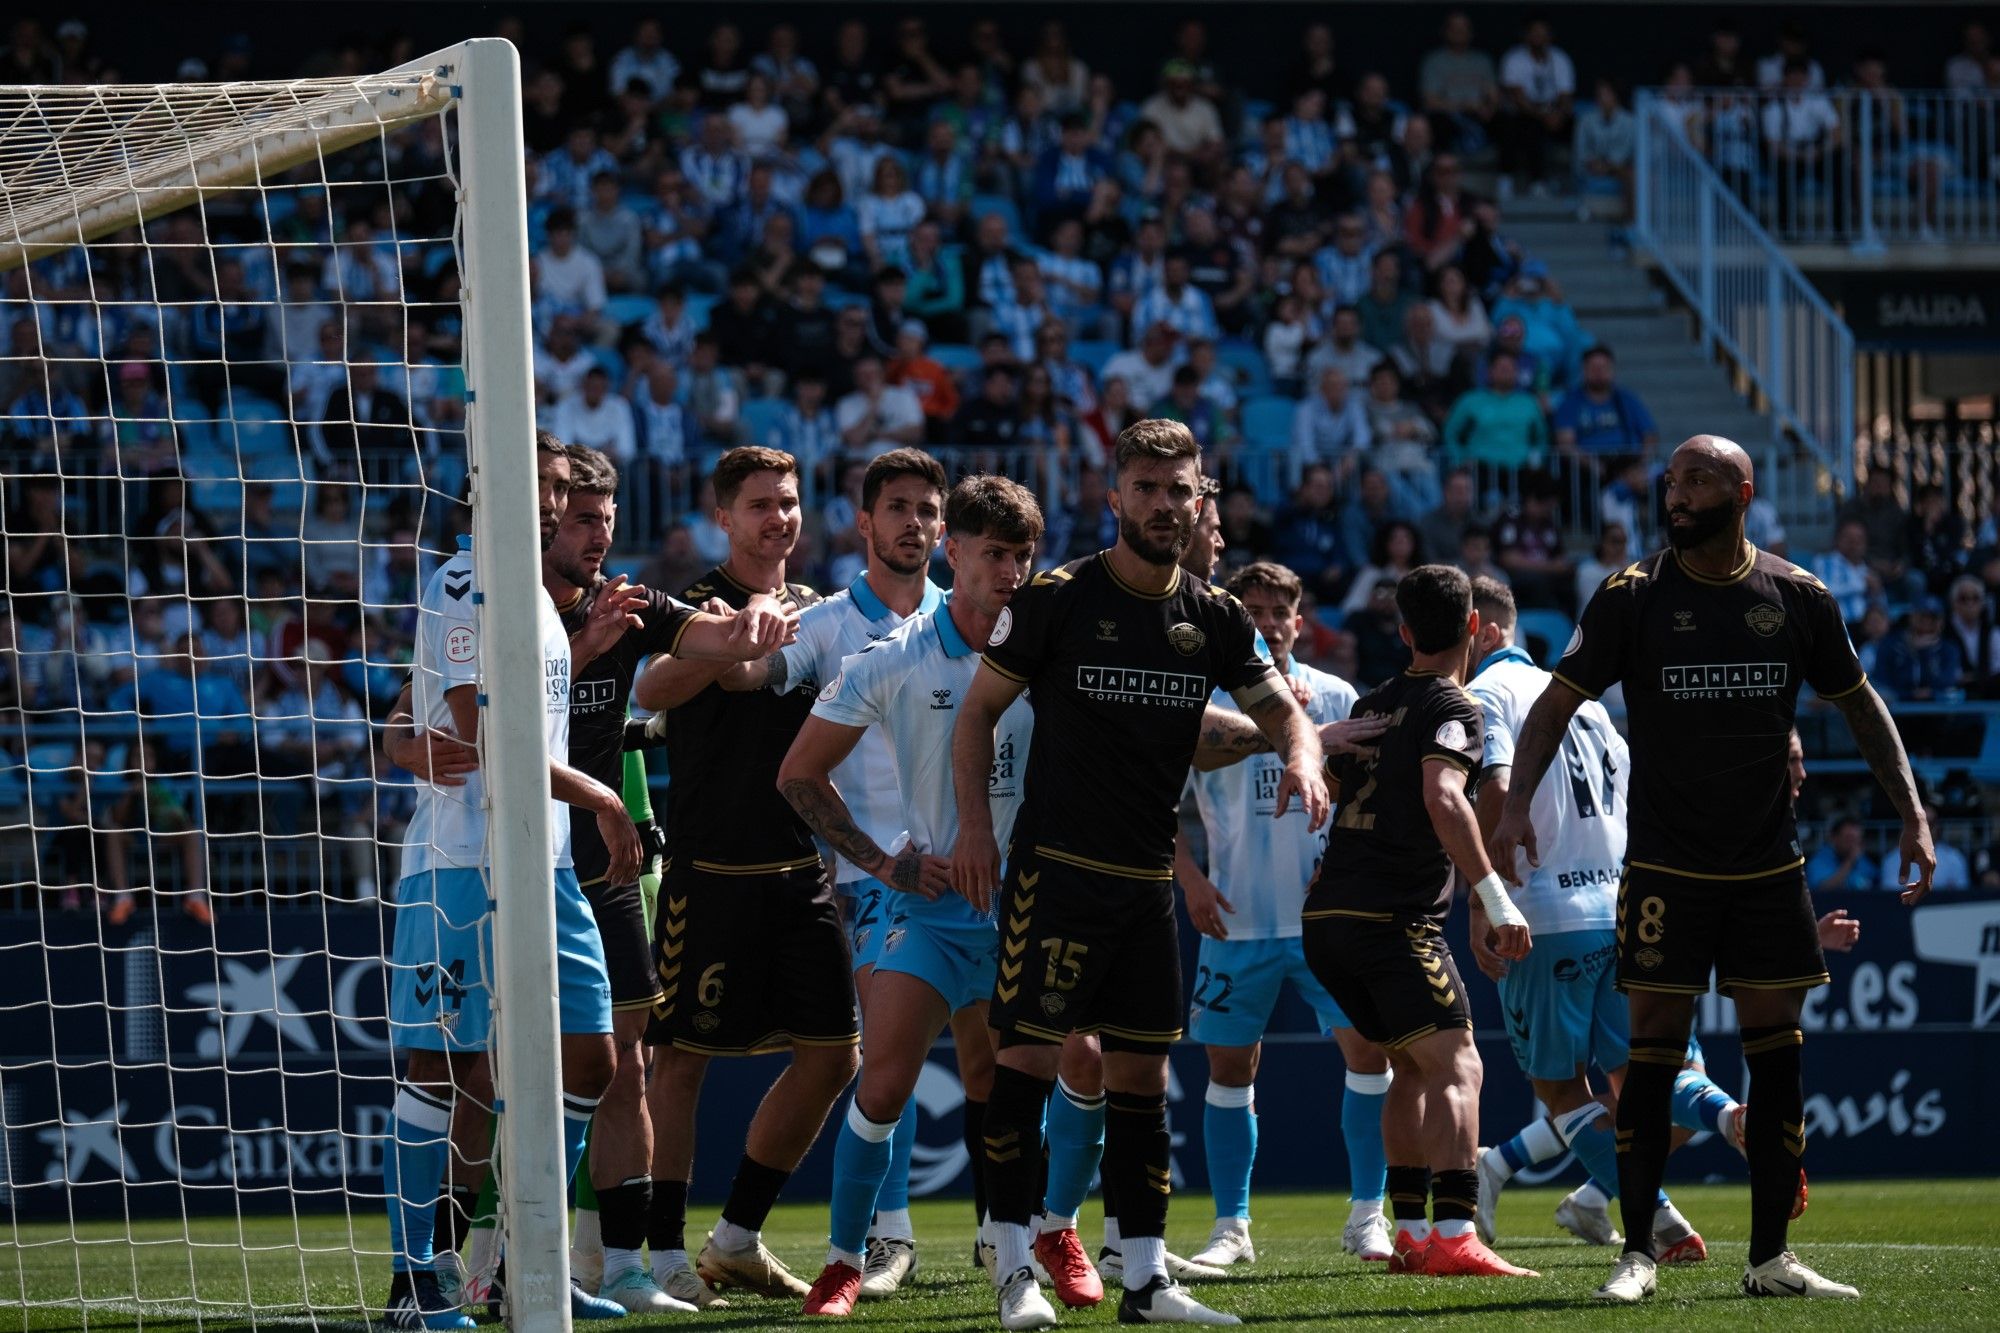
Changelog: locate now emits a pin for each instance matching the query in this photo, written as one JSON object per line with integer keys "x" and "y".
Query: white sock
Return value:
{"x": 729, "y": 1236}
{"x": 1589, "y": 1196}
{"x": 1455, "y": 1226}
{"x": 1416, "y": 1228}
{"x": 481, "y": 1243}
{"x": 1047, "y": 1222}
{"x": 1668, "y": 1218}
{"x": 1145, "y": 1259}
{"x": 668, "y": 1262}
{"x": 1111, "y": 1241}
{"x": 1362, "y": 1209}
{"x": 836, "y": 1255}
{"x": 1010, "y": 1243}
{"x": 585, "y": 1236}
{"x": 618, "y": 1262}
{"x": 892, "y": 1224}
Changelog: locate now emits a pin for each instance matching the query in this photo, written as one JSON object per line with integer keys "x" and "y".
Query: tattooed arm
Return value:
{"x": 803, "y": 778}
{"x": 1881, "y": 745}
{"x": 1534, "y": 750}
{"x": 1226, "y": 738}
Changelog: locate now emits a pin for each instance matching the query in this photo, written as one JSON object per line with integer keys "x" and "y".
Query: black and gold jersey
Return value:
{"x": 1711, "y": 669}
{"x": 1383, "y": 857}
{"x": 1118, "y": 679}
{"x": 598, "y": 696}
{"x": 724, "y": 811}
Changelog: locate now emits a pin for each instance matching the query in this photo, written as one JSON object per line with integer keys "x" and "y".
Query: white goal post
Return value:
{"x": 101, "y": 180}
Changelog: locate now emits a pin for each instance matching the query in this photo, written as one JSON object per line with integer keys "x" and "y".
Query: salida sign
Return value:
{"x": 1920, "y": 309}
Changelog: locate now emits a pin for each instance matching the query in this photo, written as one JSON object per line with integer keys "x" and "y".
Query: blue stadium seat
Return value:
{"x": 614, "y": 364}
{"x": 1253, "y": 373}
{"x": 628, "y": 308}
{"x": 699, "y": 305}
{"x": 219, "y": 497}
{"x": 1267, "y": 421}
{"x": 760, "y": 416}
{"x": 1551, "y": 628}
{"x": 957, "y": 356}
{"x": 1093, "y": 353}
{"x": 982, "y": 204}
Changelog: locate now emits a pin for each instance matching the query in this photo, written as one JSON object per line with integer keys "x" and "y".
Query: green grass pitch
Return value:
{"x": 1925, "y": 1254}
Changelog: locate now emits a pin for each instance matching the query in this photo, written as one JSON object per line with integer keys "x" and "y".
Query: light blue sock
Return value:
{"x": 413, "y": 1173}
{"x": 1076, "y": 1142}
{"x": 1229, "y": 1136}
{"x": 1361, "y": 1126}
{"x": 863, "y": 1153}
{"x": 577, "y": 1112}
{"x": 1596, "y": 1147}
{"x": 896, "y": 1185}
{"x": 1698, "y": 1103}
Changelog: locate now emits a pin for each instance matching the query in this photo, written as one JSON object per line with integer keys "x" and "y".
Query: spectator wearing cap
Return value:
{"x": 1600, "y": 416}
{"x": 1147, "y": 369}
{"x": 1538, "y": 85}
{"x": 936, "y": 290}
{"x": 1178, "y": 303}
{"x": 1188, "y": 122}
{"x": 1498, "y": 425}
{"x": 1066, "y": 173}
{"x": 935, "y": 388}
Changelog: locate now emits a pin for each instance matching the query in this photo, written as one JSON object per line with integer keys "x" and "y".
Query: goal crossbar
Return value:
{"x": 70, "y": 172}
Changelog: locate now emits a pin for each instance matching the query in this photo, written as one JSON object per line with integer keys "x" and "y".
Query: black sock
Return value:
{"x": 1774, "y": 1135}
{"x": 454, "y": 1219}
{"x": 1645, "y": 1134}
{"x": 975, "y": 1155}
{"x": 1409, "y": 1190}
{"x": 1454, "y": 1195}
{"x": 1138, "y": 1154}
{"x": 1107, "y": 1190}
{"x": 624, "y": 1211}
{"x": 1011, "y": 1141}
{"x": 752, "y": 1193}
{"x": 666, "y": 1220}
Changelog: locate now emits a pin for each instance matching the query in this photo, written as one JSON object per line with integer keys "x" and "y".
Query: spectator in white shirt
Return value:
{"x": 1331, "y": 427}
{"x": 1343, "y": 350}
{"x": 1965, "y": 72}
{"x": 1802, "y": 135}
{"x": 760, "y": 123}
{"x": 877, "y": 416}
{"x": 1792, "y": 45}
{"x": 647, "y": 61}
{"x": 569, "y": 280}
{"x": 1148, "y": 369}
{"x": 1845, "y": 571}
{"x": 887, "y": 214}
{"x": 1538, "y": 86}
{"x": 599, "y": 418}
{"x": 561, "y": 362}
{"x": 611, "y": 231}
{"x": 1188, "y": 122}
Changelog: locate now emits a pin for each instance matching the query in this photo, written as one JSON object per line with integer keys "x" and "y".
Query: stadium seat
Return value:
{"x": 1252, "y": 371}
{"x": 760, "y": 417}
{"x": 1548, "y": 629}
{"x": 699, "y": 306}
{"x": 217, "y": 496}
{"x": 1267, "y": 421}
{"x": 1093, "y": 353}
{"x": 982, "y": 204}
{"x": 628, "y": 308}
{"x": 957, "y": 356}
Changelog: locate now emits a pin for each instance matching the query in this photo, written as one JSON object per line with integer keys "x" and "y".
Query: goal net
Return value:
{"x": 266, "y": 366}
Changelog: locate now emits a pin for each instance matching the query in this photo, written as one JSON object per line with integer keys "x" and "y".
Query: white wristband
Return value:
{"x": 1500, "y": 909}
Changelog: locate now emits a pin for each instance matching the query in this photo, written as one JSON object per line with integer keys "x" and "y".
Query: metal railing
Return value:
{"x": 1851, "y": 166}
{"x": 1748, "y": 298}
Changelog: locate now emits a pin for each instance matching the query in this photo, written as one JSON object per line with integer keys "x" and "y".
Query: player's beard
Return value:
{"x": 570, "y": 569}
{"x": 1702, "y": 524}
{"x": 1151, "y": 551}
{"x": 888, "y": 551}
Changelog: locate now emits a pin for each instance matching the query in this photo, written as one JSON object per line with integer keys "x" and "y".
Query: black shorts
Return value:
{"x": 751, "y": 962}
{"x": 628, "y": 947}
{"x": 1085, "y": 951}
{"x": 1392, "y": 974}
{"x": 1674, "y": 930}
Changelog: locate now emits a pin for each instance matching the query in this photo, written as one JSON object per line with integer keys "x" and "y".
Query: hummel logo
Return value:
{"x": 941, "y": 700}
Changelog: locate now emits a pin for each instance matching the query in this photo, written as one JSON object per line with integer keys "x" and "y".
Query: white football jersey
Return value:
{"x": 830, "y": 631}
{"x": 1262, "y": 864}
{"x": 1579, "y": 810}
{"x": 906, "y": 689}
{"x": 448, "y": 828}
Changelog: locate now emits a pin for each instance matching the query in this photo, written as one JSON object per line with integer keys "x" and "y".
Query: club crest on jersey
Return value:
{"x": 1765, "y": 619}
{"x": 1649, "y": 958}
{"x": 1003, "y": 625}
{"x": 1053, "y": 1004}
{"x": 1186, "y": 639}
{"x": 706, "y": 1022}
{"x": 832, "y": 687}
{"x": 1452, "y": 734}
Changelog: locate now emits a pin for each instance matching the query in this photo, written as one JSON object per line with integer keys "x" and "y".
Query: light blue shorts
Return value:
{"x": 1562, "y": 1008}
{"x": 959, "y": 962}
{"x": 439, "y": 999}
{"x": 865, "y": 905}
{"x": 1237, "y": 984}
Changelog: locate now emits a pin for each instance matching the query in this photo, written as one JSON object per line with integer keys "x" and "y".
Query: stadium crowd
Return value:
{"x": 909, "y": 236}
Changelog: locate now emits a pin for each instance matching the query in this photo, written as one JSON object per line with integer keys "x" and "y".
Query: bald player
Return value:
{"x": 1712, "y": 640}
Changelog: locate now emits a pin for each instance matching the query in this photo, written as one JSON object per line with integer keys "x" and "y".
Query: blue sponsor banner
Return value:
{"x": 169, "y": 1069}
